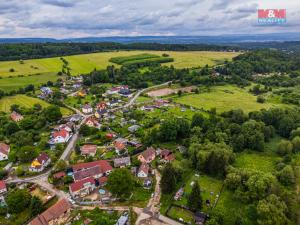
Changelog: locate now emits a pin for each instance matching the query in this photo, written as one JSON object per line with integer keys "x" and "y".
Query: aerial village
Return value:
{"x": 82, "y": 149}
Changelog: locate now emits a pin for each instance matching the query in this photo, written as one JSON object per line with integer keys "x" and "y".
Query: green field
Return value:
{"x": 25, "y": 101}
{"x": 224, "y": 98}
{"x": 85, "y": 63}
{"x": 14, "y": 83}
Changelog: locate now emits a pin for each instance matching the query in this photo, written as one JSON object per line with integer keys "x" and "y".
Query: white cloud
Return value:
{"x": 78, "y": 18}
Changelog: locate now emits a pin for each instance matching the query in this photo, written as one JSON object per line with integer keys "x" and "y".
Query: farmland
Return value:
{"x": 24, "y": 101}
{"x": 13, "y": 83}
{"x": 87, "y": 62}
{"x": 224, "y": 98}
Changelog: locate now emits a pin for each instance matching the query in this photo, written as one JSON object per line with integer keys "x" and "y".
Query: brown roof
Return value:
{"x": 145, "y": 168}
{"x": 42, "y": 158}
{"x": 104, "y": 165}
{"x": 59, "y": 174}
{"x": 148, "y": 153}
{"x": 16, "y": 116}
{"x": 90, "y": 172}
{"x": 88, "y": 149}
{"x": 4, "y": 148}
{"x": 76, "y": 186}
{"x": 52, "y": 213}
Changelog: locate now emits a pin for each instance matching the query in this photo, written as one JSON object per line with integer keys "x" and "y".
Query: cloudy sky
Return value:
{"x": 83, "y": 18}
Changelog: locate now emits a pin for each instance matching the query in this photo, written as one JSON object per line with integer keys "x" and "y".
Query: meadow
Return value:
{"x": 224, "y": 98}
{"x": 25, "y": 101}
{"x": 14, "y": 83}
{"x": 85, "y": 63}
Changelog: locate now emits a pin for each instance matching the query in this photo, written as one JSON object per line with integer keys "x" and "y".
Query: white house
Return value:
{"x": 87, "y": 108}
{"x": 4, "y": 151}
{"x": 40, "y": 163}
{"x": 61, "y": 136}
{"x": 143, "y": 171}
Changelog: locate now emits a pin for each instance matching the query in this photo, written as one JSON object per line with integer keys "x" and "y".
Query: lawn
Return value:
{"x": 25, "y": 101}
{"x": 231, "y": 207}
{"x": 14, "y": 83}
{"x": 256, "y": 161}
{"x": 224, "y": 98}
{"x": 177, "y": 212}
{"x": 85, "y": 63}
{"x": 261, "y": 161}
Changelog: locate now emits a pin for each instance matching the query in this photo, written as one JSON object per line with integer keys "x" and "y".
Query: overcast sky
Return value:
{"x": 82, "y": 18}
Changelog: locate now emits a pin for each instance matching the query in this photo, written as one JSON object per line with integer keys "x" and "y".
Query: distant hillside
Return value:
{"x": 218, "y": 39}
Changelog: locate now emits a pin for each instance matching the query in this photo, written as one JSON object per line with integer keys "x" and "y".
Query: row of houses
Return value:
{"x": 88, "y": 176}
{"x": 158, "y": 103}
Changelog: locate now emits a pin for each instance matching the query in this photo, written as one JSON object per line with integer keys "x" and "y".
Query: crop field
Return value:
{"x": 25, "y": 101}
{"x": 85, "y": 63}
{"x": 13, "y": 83}
{"x": 123, "y": 60}
{"x": 225, "y": 98}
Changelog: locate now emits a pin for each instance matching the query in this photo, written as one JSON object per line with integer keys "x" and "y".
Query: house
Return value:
{"x": 125, "y": 92}
{"x": 122, "y": 162}
{"x": 109, "y": 136}
{"x": 102, "y": 181}
{"x": 83, "y": 187}
{"x": 16, "y": 116}
{"x": 94, "y": 172}
{"x": 113, "y": 103}
{"x": 46, "y": 91}
{"x": 81, "y": 93}
{"x": 133, "y": 128}
{"x": 92, "y": 122}
{"x": 53, "y": 214}
{"x": 143, "y": 171}
{"x": 161, "y": 102}
{"x": 166, "y": 156}
{"x": 59, "y": 175}
{"x": 101, "y": 113}
{"x": 179, "y": 194}
{"x": 88, "y": 150}
{"x": 147, "y": 183}
{"x": 40, "y": 163}
{"x": 101, "y": 105}
{"x": 76, "y": 118}
{"x": 120, "y": 145}
{"x": 4, "y": 151}
{"x": 147, "y": 156}
{"x": 103, "y": 164}
{"x": 87, "y": 108}
{"x": 61, "y": 136}
{"x": 3, "y": 188}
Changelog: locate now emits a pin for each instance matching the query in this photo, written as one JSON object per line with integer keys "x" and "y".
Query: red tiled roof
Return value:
{"x": 87, "y": 149}
{"x": 105, "y": 166}
{"x": 42, "y": 157}
{"x": 78, "y": 185}
{"x": 62, "y": 133}
{"x": 119, "y": 145}
{"x": 102, "y": 180}
{"x": 52, "y": 213}
{"x": 2, "y": 185}
{"x": 145, "y": 168}
{"x": 4, "y": 148}
{"x": 90, "y": 172}
{"x": 148, "y": 153}
{"x": 59, "y": 174}
{"x": 16, "y": 116}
